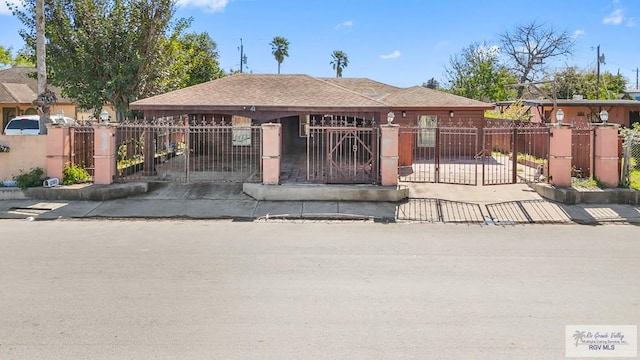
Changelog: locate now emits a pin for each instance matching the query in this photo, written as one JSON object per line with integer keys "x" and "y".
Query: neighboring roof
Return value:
{"x": 364, "y": 86}
{"x": 18, "y": 87}
{"x": 419, "y": 96}
{"x": 572, "y": 102}
{"x": 21, "y": 93}
{"x": 260, "y": 91}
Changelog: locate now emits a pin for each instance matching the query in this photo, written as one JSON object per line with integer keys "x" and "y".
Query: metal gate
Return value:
{"x": 439, "y": 155}
{"x": 181, "y": 150}
{"x": 515, "y": 152}
{"x": 343, "y": 155}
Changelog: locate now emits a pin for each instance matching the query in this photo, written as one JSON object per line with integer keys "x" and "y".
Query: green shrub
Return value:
{"x": 73, "y": 174}
{"x": 29, "y": 179}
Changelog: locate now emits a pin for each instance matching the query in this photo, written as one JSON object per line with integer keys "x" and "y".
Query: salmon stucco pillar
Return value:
{"x": 560, "y": 155}
{"x": 104, "y": 156}
{"x": 389, "y": 154}
{"x": 271, "y": 153}
{"x": 606, "y": 155}
{"x": 58, "y": 150}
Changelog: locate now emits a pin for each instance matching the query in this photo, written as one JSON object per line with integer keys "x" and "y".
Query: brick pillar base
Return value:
{"x": 104, "y": 156}
{"x": 560, "y": 155}
{"x": 389, "y": 154}
{"x": 271, "y": 153}
{"x": 606, "y": 155}
{"x": 58, "y": 150}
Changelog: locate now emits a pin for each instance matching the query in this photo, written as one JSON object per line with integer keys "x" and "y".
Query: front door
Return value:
{"x": 7, "y": 114}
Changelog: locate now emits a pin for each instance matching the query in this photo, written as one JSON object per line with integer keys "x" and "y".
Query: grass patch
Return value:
{"x": 591, "y": 183}
{"x": 634, "y": 179}
{"x": 531, "y": 158}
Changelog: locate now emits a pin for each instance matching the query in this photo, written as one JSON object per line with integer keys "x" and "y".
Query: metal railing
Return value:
{"x": 175, "y": 149}
{"x": 82, "y": 140}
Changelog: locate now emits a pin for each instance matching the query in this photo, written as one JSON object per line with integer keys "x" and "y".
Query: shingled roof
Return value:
{"x": 296, "y": 91}
{"x": 364, "y": 86}
{"x": 17, "y": 86}
{"x": 419, "y": 96}
{"x": 300, "y": 92}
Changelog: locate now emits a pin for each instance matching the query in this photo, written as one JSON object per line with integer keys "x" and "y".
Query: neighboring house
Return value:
{"x": 580, "y": 111}
{"x": 634, "y": 93}
{"x": 18, "y": 88}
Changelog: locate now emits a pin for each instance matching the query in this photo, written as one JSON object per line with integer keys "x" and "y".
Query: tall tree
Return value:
{"x": 339, "y": 62}
{"x": 279, "y": 49}
{"x": 7, "y": 59}
{"x": 431, "y": 84}
{"x": 44, "y": 100}
{"x": 573, "y": 81}
{"x": 475, "y": 73}
{"x": 194, "y": 60}
{"x": 104, "y": 51}
{"x": 528, "y": 46}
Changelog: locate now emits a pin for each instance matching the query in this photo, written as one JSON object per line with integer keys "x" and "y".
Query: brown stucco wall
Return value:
{"x": 26, "y": 153}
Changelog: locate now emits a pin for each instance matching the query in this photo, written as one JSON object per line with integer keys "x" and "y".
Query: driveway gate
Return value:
{"x": 439, "y": 155}
{"x": 515, "y": 152}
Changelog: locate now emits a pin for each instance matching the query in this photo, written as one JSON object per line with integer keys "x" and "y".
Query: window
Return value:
{"x": 241, "y": 131}
{"x": 427, "y": 132}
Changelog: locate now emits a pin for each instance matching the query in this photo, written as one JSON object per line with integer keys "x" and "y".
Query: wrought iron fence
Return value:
{"x": 188, "y": 150}
{"x": 344, "y": 151}
{"x": 515, "y": 151}
{"x": 83, "y": 146}
{"x": 441, "y": 154}
{"x": 582, "y": 137}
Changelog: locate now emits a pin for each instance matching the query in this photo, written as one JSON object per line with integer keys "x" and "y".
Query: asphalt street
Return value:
{"x": 183, "y": 289}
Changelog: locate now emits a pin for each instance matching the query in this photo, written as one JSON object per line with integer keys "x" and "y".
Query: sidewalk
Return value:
{"x": 433, "y": 203}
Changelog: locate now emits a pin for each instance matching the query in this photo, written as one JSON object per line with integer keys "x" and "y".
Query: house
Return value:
{"x": 297, "y": 100}
{"x": 18, "y": 88}
{"x": 321, "y": 118}
{"x": 581, "y": 111}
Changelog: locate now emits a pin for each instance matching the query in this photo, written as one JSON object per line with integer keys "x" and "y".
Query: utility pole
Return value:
{"x": 243, "y": 57}
{"x": 599, "y": 61}
{"x": 637, "y": 79}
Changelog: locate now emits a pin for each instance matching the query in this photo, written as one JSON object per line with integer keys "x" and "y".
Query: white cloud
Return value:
{"x": 393, "y": 55}
{"x": 578, "y": 34}
{"x": 347, "y": 24}
{"x": 208, "y": 5}
{"x": 615, "y": 18}
{"x": 4, "y": 9}
{"x": 631, "y": 22}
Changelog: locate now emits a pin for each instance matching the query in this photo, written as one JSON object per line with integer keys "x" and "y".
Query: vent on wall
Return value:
{"x": 580, "y": 113}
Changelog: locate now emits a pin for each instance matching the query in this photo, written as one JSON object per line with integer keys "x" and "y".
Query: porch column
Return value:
{"x": 104, "y": 154}
{"x": 606, "y": 155}
{"x": 560, "y": 155}
{"x": 271, "y": 153}
{"x": 389, "y": 154}
{"x": 58, "y": 150}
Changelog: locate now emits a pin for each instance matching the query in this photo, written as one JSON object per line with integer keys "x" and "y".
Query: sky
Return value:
{"x": 398, "y": 42}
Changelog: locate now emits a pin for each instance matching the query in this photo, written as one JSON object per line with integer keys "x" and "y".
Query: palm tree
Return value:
{"x": 578, "y": 336}
{"x": 339, "y": 62}
{"x": 279, "y": 49}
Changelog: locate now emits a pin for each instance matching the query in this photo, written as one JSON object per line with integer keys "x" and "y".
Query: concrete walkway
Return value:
{"x": 441, "y": 203}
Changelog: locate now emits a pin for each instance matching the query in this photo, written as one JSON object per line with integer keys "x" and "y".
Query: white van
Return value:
{"x": 30, "y": 124}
